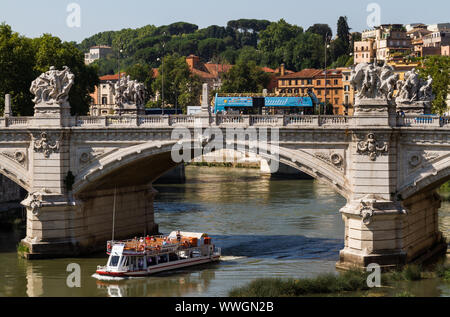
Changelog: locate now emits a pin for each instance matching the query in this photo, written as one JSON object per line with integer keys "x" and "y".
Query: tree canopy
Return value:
{"x": 439, "y": 69}
{"x": 181, "y": 87}
{"x": 267, "y": 43}
{"x": 23, "y": 59}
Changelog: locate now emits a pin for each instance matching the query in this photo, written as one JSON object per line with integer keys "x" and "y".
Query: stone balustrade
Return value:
{"x": 227, "y": 120}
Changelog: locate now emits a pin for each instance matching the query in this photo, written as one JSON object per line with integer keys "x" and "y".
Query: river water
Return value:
{"x": 265, "y": 227}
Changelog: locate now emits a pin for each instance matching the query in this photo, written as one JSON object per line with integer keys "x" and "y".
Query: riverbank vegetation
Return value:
{"x": 350, "y": 283}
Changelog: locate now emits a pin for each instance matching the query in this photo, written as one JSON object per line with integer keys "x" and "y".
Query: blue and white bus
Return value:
{"x": 256, "y": 104}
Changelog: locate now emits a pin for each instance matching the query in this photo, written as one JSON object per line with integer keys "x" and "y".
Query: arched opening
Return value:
{"x": 12, "y": 214}
{"x": 136, "y": 167}
{"x": 428, "y": 203}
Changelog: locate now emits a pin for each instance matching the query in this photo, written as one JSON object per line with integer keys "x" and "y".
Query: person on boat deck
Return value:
{"x": 165, "y": 241}
{"x": 178, "y": 236}
{"x": 147, "y": 239}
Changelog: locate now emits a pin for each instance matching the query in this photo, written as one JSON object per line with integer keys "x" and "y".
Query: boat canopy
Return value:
{"x": 173, "y": 235}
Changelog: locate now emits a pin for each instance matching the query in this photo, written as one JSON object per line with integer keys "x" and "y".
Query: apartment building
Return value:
{"x": 97, "y": 52}
{"x": 332, "y": 86}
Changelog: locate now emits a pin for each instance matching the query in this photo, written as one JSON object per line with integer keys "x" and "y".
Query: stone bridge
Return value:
{"x": 387, "y": 167}
{"x": 78, "y": 170}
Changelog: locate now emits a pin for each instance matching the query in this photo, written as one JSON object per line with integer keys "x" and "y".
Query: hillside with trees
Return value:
{"x": 265, "y": 43}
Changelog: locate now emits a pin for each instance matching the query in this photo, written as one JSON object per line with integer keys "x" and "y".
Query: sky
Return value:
{"x": 33, "y": 18}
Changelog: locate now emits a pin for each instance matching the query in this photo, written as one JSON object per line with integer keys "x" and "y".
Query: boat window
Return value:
{"x": 140, "y": 263}
{"x": 173, "y": 257}
{"x": 163, "y": 258}
{"x": 114, "y": 261}
{"x": 151, "y": 260}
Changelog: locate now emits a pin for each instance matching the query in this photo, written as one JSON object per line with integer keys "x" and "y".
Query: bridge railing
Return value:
{"x": 230, "y": 120}
{"x": 421, "y": 121}
{"x": 15, "y": 121}
{"x": 218, "y": 120}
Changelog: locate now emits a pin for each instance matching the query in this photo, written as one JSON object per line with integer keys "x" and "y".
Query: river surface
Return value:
{"x": 265, "y": 227}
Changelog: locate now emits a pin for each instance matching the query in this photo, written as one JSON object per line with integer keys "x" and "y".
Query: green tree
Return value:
{"x": 17, "y": 61}
{"x": 245, "y": 77}
{"x": 181, "y": 88}
{"x": 51, "y": 51}
{"x": 438, "y": 67}
{"x": 22, "y": 60}
{"x": 323, "y": 30}
{"x": 277, "y": 34}
{"x": 307, "y": 52}
{"x": 343, "y": 32}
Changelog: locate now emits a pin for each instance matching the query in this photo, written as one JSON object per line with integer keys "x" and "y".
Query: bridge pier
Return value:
{"x": 63, "y": 226}
{"x": 392, "y": 234}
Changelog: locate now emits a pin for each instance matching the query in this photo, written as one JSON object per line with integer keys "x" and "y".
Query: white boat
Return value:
{"x": 146, "y": 256}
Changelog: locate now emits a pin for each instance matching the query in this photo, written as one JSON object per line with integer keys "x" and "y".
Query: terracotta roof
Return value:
{"x": 330, "y": 72}
{"x": 276, "y": 70}
{"x": 116, "y": 76}
{"x": 210, "y": 71}
{"x": 111, "y": 77}
{"x": 306, "y": 73}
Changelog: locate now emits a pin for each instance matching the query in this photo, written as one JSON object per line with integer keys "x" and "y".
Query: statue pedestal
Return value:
{"x": 415, "y": 107}
{"x": 129, "y": 109}
{"x": 52, "y": 114}
{"x": 374, "y": 112}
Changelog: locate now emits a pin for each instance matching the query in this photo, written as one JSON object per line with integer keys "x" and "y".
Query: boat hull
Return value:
{"x": 160, "y": 268}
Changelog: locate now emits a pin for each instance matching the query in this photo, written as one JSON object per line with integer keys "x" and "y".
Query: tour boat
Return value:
{"x": 150, "y": 255}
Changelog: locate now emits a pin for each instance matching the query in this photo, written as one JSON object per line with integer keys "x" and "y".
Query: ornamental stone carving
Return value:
{"x": 413, "y": 88}
{"x": 372, "y": 147}
{"x": 34, "y": 202}
{"x": 335, "y": 159}
{"x": 374, "y": 82}
{"x": 53, "y": 87}
{"x": 46, "y": 146}
{"x": 415, "y": 94}
{"x": 17, "y": 156}
{"x": 129, "y": 95}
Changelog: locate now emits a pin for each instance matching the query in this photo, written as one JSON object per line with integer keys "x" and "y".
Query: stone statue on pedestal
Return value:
{"x": 374, "y": 82}
{"x": 415, "y": 94}
{"x": 51, "y": 91}
{"x": 53, "y": 87}
{"x": 374, "y": 86}
{"x": 130, "y": 96}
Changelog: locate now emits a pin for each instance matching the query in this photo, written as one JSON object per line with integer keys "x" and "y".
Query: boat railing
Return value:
{"x": 155, "y": 247}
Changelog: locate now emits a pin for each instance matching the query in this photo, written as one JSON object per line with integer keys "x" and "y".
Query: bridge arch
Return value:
{"x": 143, "y": 164}
{"x": 428, "y": 178}
{"x": 15, "y": 172}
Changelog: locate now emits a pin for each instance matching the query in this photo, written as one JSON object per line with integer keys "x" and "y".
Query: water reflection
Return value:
{"x": 175, "y": 284}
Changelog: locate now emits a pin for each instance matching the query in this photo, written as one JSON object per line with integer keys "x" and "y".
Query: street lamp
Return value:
{"x": 162, "y": 71}
{"x": 326, "y": 75}
{"x": 118, "y": 79}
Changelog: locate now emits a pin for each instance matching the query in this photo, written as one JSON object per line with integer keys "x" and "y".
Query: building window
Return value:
{"x": 318, "y": 82}
{"x": 104, "y": 100}
{"x": 336, "y": 81}
{"x": 319, "y": 92}
{"x": 309, "y": 81}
